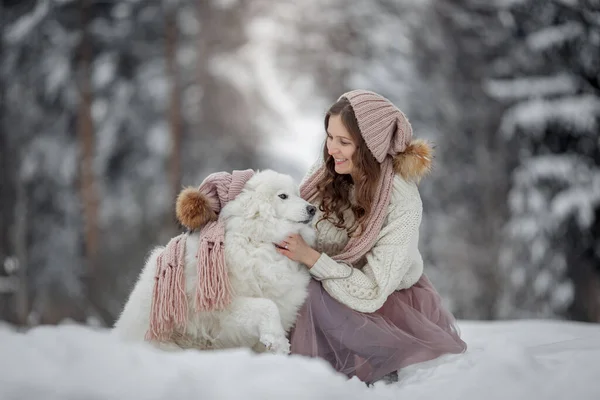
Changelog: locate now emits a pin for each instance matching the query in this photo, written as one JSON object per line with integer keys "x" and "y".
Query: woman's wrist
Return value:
{"x": 311, "y": 258}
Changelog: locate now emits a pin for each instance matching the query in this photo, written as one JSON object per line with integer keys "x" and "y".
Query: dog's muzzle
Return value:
{"x": 311, "y": 210}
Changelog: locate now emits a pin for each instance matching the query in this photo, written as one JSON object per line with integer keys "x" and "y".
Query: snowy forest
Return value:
{"x": 109, "y": 107}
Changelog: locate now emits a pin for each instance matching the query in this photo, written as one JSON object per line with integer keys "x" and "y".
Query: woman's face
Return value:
{"x": 340, "y": 145}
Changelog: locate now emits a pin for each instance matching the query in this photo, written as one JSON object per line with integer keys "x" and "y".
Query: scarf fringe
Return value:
{"x": 214, "y": 290}
{"x": 169, "y": 301}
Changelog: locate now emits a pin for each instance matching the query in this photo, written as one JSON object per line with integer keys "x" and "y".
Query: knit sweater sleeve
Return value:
{"x": 388, "y": 262}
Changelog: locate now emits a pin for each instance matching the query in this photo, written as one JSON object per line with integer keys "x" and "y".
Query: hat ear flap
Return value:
{"x": 193, "y": 209}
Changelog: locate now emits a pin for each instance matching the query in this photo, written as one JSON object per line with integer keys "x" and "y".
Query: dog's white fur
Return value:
{"x": 268, "y": 287}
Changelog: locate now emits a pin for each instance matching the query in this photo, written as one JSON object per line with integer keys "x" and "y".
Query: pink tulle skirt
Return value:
{"x": 412, "y": 326}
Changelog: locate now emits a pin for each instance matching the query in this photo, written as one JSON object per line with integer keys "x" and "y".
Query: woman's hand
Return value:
{"x": 295, "y": 248}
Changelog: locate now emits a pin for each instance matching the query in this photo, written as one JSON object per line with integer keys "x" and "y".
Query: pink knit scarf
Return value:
{"x": 358, "y": 246}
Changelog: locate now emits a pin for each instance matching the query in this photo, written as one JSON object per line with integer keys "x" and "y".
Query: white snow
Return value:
{"x": 504, "y": 3}
{"x": 11, "y": 264}
{"x": 554, "y": 35}
{"x": 572, "y": 3}
{"x": 8, "y": 284}
{"x": 505, "y": 360}
{"x": 533, "y": 86}
{"x": 42, "y": 156}
{"x": 579, "y": 195}
{"x": 513, "y": 360}
{"x": 159, "y": 140}
{"x": 104, "y": 70}
{"x": 578, "y": 113}
{"x": 121, "y": 11}
{"x": 225, "y": 4}
{"x": 27, "y": 23}
{"x": 579, "y": 200}
{"x": 562, "y": 295}
{"x": 58, "y": 73}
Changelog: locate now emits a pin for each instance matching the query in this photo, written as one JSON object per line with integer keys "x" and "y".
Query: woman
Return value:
{"x": 370, "y": 310}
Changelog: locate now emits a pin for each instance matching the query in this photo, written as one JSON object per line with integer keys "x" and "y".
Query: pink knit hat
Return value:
{"x": 197, "y": 206}
{"x": 384, "y": 127}
{"x": 221, "y": 187}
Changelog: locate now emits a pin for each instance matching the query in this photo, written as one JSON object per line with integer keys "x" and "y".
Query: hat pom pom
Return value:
{"x": 415, "y": 162}
{"x": 193, "y": 209}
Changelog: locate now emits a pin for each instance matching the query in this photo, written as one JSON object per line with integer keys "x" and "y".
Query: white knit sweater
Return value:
{"x": 394, "y": 262}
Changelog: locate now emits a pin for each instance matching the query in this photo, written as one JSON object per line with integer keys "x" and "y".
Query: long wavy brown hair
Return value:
{"x": 334, "y": 188}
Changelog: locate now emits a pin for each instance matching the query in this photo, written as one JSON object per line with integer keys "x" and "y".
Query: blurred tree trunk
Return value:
{"x": 8, "y": 300}
{"x": 4, "y": 182}
{"x": 7, "y": 311}
{"x": 85, "y": 133}
{"x": 202, "y": 49}
{"x": 20, "y": 239}
{"x": 584, "y": 271}
{"x": 88, "y": 193}
{"x": 174, "y": 108}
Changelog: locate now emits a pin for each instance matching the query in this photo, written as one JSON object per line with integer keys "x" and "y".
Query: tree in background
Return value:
{"x": 39, "y": 116}
{"x": 515, "y": 92}
{"x": 549, "y": 81}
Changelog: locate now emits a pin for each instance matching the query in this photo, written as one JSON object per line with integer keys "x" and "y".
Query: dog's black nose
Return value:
{"x": 311, "y": 210}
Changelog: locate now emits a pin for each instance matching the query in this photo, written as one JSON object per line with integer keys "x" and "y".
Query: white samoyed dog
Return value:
{"x": 268, "y": 288}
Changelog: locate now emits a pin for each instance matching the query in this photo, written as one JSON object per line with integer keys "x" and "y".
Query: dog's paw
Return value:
{"x": 275, "y": 344}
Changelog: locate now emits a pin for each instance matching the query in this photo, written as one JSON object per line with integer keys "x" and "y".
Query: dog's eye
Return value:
{"x": 283, "y": 196}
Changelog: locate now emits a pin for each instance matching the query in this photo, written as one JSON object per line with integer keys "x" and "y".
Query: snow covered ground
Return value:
{"x": 505, "y": 360}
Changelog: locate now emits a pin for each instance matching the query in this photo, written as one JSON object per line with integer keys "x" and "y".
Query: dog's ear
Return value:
{"x": 258, "y": 207}
{"x": 252, "y": 184}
